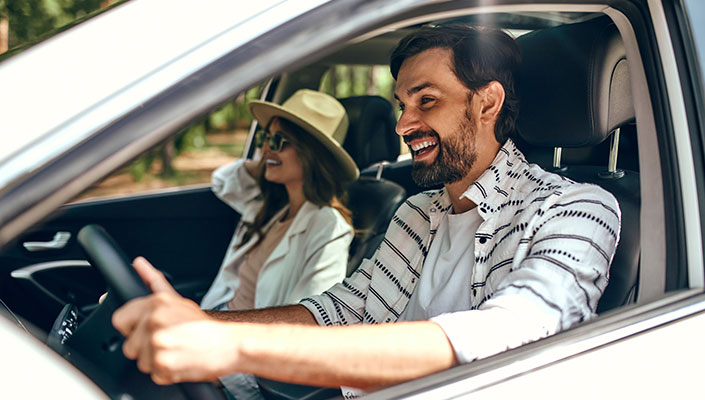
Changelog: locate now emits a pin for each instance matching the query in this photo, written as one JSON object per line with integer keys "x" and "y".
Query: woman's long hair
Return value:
{"x": 322, "y": 183}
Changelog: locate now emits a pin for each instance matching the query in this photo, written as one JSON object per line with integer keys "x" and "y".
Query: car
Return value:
{"x": 611, "y": 93}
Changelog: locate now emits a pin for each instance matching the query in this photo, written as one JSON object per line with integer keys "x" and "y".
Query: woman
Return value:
{"x": 294, "y": 232}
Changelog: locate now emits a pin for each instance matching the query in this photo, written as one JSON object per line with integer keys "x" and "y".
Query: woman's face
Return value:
{"x": 283, "y": 166}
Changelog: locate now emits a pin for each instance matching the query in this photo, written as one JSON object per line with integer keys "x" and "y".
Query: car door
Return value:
{"x": 183, "y": 231}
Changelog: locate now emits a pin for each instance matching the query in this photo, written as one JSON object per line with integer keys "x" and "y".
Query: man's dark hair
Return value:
{"x": 480, "y": 55}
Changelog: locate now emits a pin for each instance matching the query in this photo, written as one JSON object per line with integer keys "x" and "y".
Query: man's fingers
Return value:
{"x": 145, "y": 362}
{"x": 127, "y": 316}
{"x": 154, "y": 279}
{"x": 162, "y": 332}
{"x": 161, "y": 379}
{"x": 133, "y": 341}
{"x": 164, "y": 370}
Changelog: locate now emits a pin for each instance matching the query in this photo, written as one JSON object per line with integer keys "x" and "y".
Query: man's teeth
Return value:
{"x": 420, "y": 146}
{"x": 273, "y": 162}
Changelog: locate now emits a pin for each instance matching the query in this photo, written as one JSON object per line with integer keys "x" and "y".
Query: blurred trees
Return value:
{"x": 229, "y": 117}
{"x": 30, "y": 20}
{"x": 358, "y": 80}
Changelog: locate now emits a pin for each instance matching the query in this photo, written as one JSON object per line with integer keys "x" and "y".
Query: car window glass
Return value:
{"x": 188, "y": 158}
{"x": 357, "y": 80}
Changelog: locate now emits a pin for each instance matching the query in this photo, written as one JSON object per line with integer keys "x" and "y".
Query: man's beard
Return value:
{"x": 455, "y": 158}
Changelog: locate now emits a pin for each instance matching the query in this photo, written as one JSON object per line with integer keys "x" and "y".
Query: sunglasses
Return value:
{"x": 276, "y": 140}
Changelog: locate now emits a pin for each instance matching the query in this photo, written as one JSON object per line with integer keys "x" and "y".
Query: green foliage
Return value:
{"x": 193, "y": 137}
{"x": 231, "y": 115}
{"x": 358, "y": 80}
{"x": 234, "y": 114}
{"x": 140, "y": 167}
{"x": 30, "y": 20}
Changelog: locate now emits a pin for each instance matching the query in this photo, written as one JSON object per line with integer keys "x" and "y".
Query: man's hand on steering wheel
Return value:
{"x": 152, "y": 277}
{"x": 170, "y": 336}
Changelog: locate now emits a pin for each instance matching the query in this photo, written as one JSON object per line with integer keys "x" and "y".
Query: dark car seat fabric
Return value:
{"x": 574, "y": 85}
{"x": 371, "y": 141}
{"x": 373, "y": 203}
{"x": 575, "y": 93}
{"x": 399, "y": 172}
{"x": 371, "y": 136}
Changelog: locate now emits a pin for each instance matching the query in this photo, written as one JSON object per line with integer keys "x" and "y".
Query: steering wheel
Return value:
{"x": 96, "y": 347}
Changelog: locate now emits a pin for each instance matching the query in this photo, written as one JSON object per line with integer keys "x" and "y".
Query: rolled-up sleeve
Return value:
{"x": 344, "y": 303}
{"x": 234, "y": 185}
{"x": 502, "y": 324}
{"x": 552, "y": 285}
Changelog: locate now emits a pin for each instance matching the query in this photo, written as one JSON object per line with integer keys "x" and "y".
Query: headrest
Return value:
{"x": 371, "y": 136}
{"x": 574, "y": 85}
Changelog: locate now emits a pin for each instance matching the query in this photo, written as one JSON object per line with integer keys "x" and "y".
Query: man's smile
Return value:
{"x": 423, "y": 148}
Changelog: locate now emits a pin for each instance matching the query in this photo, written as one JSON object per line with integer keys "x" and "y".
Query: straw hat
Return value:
{"x": 317, "y": 113}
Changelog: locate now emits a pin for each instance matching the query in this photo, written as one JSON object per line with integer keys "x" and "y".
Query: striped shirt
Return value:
{"x": 542, "y": 256}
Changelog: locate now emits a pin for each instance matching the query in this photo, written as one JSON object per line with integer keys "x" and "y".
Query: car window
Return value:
{"x": 348, "y": 80}
{"x": 356, "y": 80}
{"x": 188, "y": 158}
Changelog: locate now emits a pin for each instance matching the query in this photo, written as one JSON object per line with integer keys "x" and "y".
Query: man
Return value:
{"x": 504, "y": 254}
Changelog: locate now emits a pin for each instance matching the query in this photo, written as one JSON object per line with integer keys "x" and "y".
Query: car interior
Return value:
{"x": 558, "y": 113}
{"x": 566, "y": 129}
{"x": 578, "y": 118}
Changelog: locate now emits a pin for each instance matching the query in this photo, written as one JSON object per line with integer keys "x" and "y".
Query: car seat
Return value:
{"x": 371, "y": 140}
{"x": 371, "y": 136}
{"x": 373, "y": 203}
{"x": 575, "y": 93}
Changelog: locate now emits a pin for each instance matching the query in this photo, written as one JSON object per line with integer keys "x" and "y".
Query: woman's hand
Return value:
{"x": 254, "y": 167}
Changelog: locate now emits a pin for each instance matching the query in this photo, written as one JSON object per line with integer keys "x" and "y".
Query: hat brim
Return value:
{"x": 264, "y": 111}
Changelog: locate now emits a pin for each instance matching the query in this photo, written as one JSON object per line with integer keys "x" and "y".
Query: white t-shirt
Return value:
{"x": 445, "y": 280}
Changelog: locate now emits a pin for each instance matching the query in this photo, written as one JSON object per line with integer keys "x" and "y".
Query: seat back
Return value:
{"x": 373, "y": 203}
{"x": 575, "y": 94}
{"x": 371, "y": 140}
{"x": 371, "y": 136}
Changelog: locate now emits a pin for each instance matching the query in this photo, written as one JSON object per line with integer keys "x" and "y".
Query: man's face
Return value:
{"x": 437, "y": 122}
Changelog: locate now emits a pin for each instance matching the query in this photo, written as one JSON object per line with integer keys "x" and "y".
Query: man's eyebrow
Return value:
{"x": 417, "y": 89}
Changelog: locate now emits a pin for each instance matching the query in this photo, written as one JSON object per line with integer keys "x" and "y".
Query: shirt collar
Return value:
{"x": 300, "y": 222}
{"x": 494, "y": 186}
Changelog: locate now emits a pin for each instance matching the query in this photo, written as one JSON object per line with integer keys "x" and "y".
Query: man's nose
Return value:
{"x": 408, "y": 123}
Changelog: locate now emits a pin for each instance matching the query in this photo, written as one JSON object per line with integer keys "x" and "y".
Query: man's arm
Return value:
{"x": 293, "y": 314}
{"x": 361, "y": 356}
{"x": 174, "y": 340}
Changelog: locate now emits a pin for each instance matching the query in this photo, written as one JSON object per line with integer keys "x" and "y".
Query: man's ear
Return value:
{"x": 492, "y": 98}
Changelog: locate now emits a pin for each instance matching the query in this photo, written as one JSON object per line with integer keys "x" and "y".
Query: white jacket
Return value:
{"x": 310, "y": 258}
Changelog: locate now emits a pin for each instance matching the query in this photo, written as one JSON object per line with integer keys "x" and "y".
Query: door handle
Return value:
{"x": 58, "y": 242}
